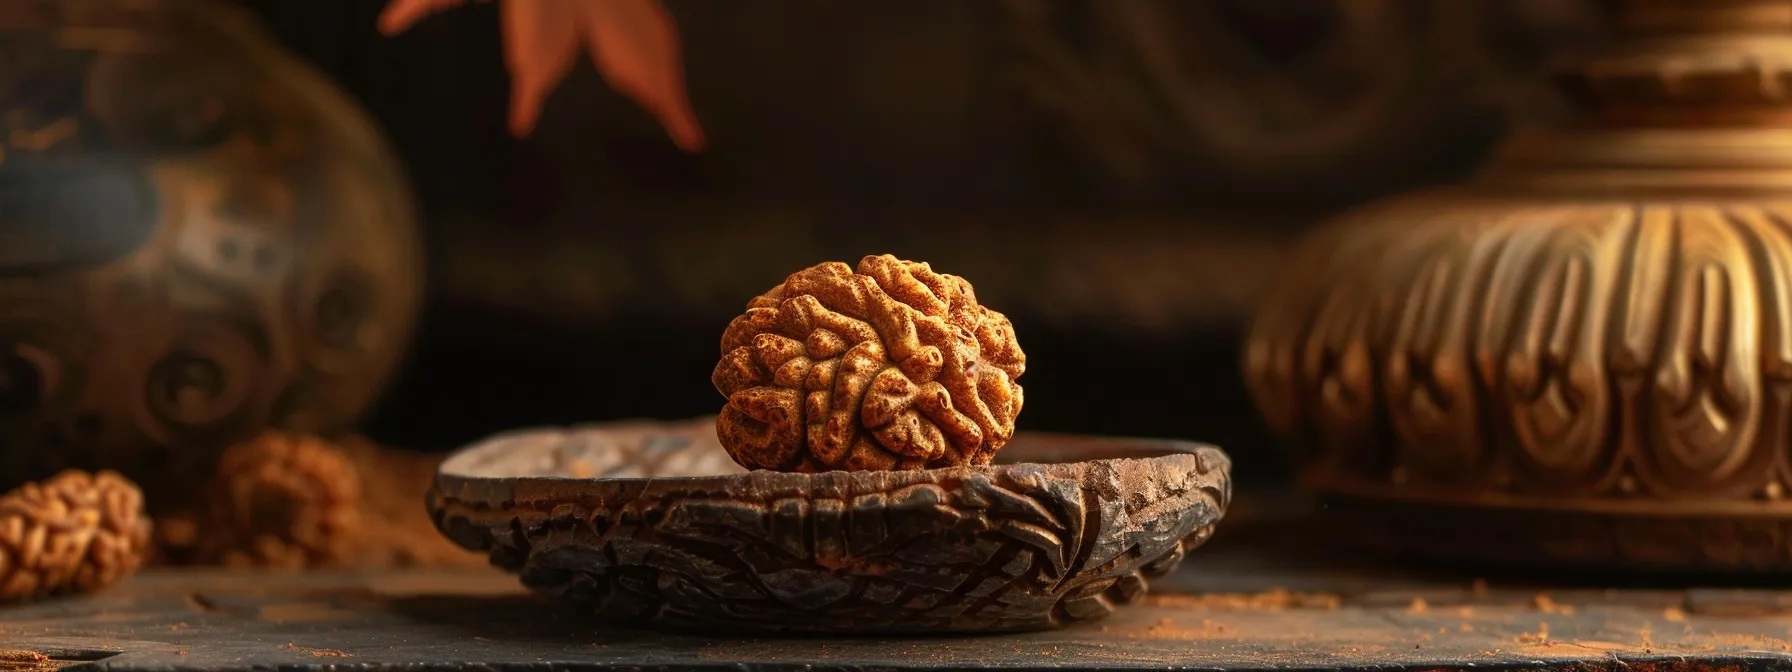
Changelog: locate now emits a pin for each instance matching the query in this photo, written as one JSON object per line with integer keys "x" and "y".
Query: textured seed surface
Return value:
{"x": 889, "y": 366}
{"x": 74, "y": 533}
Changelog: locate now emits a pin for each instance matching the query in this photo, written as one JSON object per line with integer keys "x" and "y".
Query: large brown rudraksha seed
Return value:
{"x": 74, "y": 533}
{"x": 893, "y": 366}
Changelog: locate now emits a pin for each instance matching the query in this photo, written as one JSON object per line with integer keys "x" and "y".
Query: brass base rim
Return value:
{"x": 1472, "y": 497}
{"x": 1561, "y": 537}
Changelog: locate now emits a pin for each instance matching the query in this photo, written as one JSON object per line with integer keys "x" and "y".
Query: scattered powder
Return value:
{"x": 317, "y": 653}
{"x": 1168, "y": 629}
{"x": 1548, "y": 606}
{"x": 1273, "y": 600}
{"x": 19, "y": 660}
{"x": 1541, "y": 636}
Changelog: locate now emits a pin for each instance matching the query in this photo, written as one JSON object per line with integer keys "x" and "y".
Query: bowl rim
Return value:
{"x": 454, "y": 480}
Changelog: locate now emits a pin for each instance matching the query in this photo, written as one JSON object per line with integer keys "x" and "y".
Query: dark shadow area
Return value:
{"x": 855, "y": 112}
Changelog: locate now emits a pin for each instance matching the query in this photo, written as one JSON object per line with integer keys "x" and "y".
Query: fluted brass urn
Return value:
{"x": 199, "y": 237}
{"x": 1584, "y": 356}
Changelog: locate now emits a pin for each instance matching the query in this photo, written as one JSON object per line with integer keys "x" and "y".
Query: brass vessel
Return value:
{"x": 199, "y": 237}
{"x": 1583, "y": 357}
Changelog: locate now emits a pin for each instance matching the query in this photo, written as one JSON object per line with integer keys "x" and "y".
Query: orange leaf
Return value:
{"x": 400, "y": 15}
{"x": 635, "y": 45}
{"x": 541, "y": 42}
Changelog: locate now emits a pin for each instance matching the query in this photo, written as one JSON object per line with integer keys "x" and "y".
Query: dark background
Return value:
{"x": 586, "y": 272}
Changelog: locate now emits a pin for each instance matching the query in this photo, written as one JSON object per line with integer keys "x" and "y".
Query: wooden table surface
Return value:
{"x": 1232, "y": 606}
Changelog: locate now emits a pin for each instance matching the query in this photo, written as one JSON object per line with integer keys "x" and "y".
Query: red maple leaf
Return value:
{"x": 633, "y": 43}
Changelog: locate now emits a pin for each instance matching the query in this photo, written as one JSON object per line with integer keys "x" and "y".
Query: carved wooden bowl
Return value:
{"x": 652, "y": 524}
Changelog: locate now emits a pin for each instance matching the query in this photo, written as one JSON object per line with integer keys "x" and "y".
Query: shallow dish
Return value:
{"x": 652, "y": 524}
